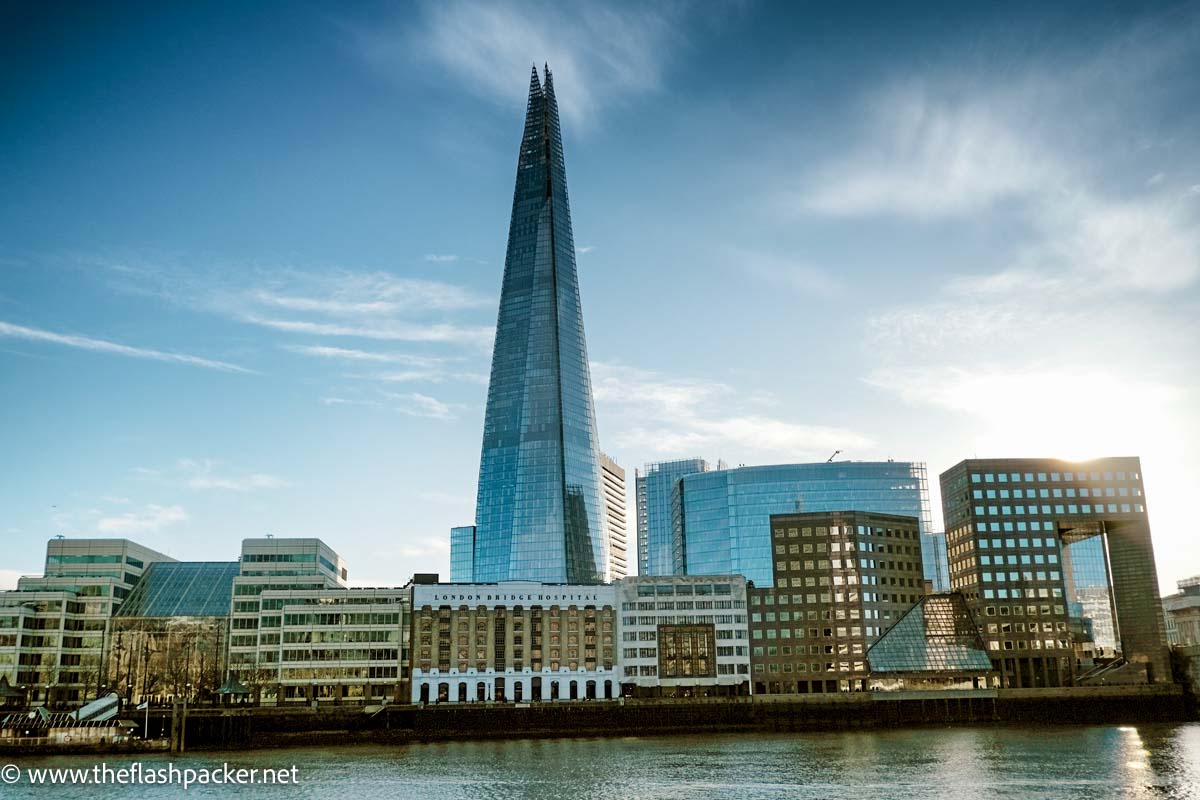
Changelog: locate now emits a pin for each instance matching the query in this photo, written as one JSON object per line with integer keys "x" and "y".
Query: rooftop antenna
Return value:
{"x": 832, "y": 457}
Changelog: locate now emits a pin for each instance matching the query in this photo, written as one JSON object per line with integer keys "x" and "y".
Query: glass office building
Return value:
{"x": 462, "y": 554}
{"x": 723, "y": 518}
{"x": 538, "y": 512}
{"x": 660, "y": 552}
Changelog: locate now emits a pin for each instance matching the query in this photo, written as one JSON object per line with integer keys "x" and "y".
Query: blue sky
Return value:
{"x": 250, "y": 254}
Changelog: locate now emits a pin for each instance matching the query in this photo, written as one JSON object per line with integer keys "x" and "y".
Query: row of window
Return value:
{"x": 1071, "y": 508}
{"x": 682, "y": 605}
{"x": 1070, "y": 491}
{"x": 1015, "y": 477}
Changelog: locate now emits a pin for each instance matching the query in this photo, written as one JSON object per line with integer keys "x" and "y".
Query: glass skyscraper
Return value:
{"x": 659, "y": 552}
{"x": 538, "y": 512}
{"x": 723, "y": 518}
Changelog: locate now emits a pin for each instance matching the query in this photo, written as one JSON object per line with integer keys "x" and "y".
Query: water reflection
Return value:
{"x": 942, "y": 764}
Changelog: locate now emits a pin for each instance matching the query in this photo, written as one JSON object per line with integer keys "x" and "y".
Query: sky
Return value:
{"x": 251, "y": 253}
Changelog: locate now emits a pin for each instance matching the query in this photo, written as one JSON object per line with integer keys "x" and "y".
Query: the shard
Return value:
{"x": 538, "y": 511}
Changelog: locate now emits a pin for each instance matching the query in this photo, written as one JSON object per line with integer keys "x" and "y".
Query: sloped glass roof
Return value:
{"x": 938, "y": 634}
{"x": 182, "y": 589}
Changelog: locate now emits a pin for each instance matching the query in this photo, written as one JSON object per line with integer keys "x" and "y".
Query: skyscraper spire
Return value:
{"x": 538, "y": 512}
{"x": 535, "y": 88}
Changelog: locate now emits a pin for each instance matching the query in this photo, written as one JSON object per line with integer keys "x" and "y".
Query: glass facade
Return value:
{"x": 936, "y": 635}
{"x": 538, "y": 513}
{"x": 1088, "y": 597}
{"x": 935, "y": 561}
{"x": 462, "y": 554}
{"x": 724, "y": 517}
{"x": 660, "y": 552}
{"x": 182, "y": 589}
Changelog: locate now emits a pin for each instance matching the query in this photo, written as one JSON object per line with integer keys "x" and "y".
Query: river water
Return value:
{"x": 1161, "y": 760}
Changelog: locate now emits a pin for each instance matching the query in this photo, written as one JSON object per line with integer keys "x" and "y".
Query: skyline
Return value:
{"x": 232, "y": 308}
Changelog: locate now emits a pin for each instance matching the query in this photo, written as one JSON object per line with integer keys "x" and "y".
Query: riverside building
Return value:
{"x": 279, "y": 565}
{"x": 54, "y": 627}
{"x": 1183, "y": 613}
{"x": 1021, "y": 531}
{"x": 512, "y": 641}
{"x": 334, "y": 645}
{"x": 684, "y": 636}
{"x": 840, "y": 580}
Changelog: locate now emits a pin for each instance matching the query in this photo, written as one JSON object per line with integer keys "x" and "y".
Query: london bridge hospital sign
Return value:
{"x": 500, "y": 594}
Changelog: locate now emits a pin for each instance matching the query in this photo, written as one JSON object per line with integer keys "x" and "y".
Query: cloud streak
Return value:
{"x": 8, "y": 330}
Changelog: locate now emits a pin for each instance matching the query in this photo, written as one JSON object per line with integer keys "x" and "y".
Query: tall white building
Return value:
{"x": 612, "y": 492}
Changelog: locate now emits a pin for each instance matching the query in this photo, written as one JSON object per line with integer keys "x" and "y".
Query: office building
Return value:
{"x": 684, "y": 636}
{"x": 514, "y": 642}
{"x": 539, "y": 512}
{"x": 169, "y": 639}
{"x": 462, "y": 554}
{"x": 53, "y": 627}
{"x": 279, "y": 565}
{"x": 1183, "y": 613}
{"x": 723, "y": 516}
{"x": 1020, "y": 530}
{"x": 333, "y": 645}
{"x": 660, "y": 550}
{"x": 613, "y": 475}
{"x": 840, "y": 579}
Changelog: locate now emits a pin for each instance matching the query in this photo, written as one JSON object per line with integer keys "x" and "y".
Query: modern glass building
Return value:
{"x": 660, "y": 552}
{"x": 462, "y": 554}
{"x": 538, "y": 512}
{"x": 723, "y": 518}
{"x": 935, "y": 560}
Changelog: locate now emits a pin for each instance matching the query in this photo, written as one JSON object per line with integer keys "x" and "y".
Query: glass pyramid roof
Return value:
{"x": 938, "y": 634}
{"x": 182, "y": 589}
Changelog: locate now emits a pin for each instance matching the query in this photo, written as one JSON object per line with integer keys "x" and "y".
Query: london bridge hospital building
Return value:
{"x": 513, "y": 642}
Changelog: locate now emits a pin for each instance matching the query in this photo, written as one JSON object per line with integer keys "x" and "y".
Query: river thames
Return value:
{"x": 1160, "y": 760}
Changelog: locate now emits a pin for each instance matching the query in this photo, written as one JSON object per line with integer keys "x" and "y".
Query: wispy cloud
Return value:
{"x": 204, "y": 474}
{"x": 11, "y": 331}
{"x": 599, "y": 55}
{"x": 441, "y": 259}
{"x": 151, "y": 519}
{"x": 788, "y": 273}
{"x": 925, "y": 155}
{"x": 584, "y": 250}
{"x": 983, "y": 154}
{"x": 396, "y": 331}
{"x": 349, "y": 354}
{"x": 416, "y": 404}
{"x": 665, "y": 415}
{"x": 353, "y": 293}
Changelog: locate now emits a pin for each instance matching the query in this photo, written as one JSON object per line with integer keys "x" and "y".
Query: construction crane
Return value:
{"x": 832, "y": 457}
